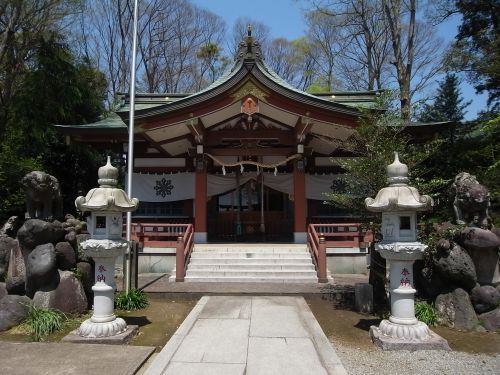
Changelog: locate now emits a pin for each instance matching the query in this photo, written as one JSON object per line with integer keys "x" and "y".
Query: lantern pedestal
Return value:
{"x": 103, "y": 322}
{"x": 106, "y": 205}
{"x": 403, "y": 331}
{"x": 399, "y": 204}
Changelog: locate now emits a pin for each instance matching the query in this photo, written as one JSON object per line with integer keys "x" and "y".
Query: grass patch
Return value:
{"x": 426, "y": 313}
{"x": 42, "y": 322}
{"x": 135, "y": 299}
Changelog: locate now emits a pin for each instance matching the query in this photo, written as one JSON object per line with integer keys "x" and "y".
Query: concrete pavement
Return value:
{"x": 251, "y": 335}
{"x": 159, "y": 283}
{"x": 71, "y": 359}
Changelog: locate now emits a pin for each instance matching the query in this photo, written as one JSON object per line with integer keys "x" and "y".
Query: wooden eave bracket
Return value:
{"x": 197, "y": 129}
{"x": 302, "y": 129}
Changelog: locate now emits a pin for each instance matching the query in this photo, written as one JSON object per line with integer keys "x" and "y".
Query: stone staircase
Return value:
{"x": 280, "y": 263}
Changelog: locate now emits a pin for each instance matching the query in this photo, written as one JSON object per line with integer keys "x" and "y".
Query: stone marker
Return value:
{"x": 363, "y": 297}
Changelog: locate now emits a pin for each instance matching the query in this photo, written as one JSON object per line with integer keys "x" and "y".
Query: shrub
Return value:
{"x": 42, "y": 322}
{"x": 133, "y": 300}
{"x": 77, "y": 273}
{"x": 426, "y": 313}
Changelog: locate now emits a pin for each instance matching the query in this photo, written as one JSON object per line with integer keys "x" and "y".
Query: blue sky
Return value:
{"x": 284, "y": 18}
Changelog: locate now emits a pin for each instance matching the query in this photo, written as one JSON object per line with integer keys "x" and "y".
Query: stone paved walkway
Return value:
{"x": 256, "y": 335}
{"x": 38, "y": 358}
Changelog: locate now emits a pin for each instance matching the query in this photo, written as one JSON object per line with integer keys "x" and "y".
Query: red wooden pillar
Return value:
{"x": 200, "y": 207}
{"x": 300, "y": 206}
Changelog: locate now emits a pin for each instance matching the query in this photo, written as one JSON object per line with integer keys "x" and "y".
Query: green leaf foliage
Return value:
{"x": 477, "y": 50}
{"x": 133, "y": 300}
{"x": 55, "y": 88}
{"x": 381, "y": 132}
{"x": 42, "y": 322}
{"x": 426, "y": 313}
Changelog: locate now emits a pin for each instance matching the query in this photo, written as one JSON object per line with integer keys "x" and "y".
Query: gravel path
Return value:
{"x": 428, "y": 362}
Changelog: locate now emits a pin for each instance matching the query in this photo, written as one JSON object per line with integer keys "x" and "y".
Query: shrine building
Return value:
{"x": 247, "y": 159}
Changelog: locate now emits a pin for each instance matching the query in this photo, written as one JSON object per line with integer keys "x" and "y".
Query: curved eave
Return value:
{"x": 232, "y": 78}
{"x": 277, "y": 84}
{"x": 223, "y": 84}
{"x": 81, "y": 130}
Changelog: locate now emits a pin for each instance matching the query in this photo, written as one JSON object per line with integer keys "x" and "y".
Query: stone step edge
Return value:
{"x": 257, "y": 265}
{"x": 276, "y": 273}
{"x": 251, "y": 280}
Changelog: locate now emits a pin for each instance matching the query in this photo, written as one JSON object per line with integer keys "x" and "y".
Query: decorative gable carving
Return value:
{"x": 249, "y": 88}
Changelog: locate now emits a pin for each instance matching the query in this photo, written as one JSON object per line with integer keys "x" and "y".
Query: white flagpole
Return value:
{"x": 130, "y": 155}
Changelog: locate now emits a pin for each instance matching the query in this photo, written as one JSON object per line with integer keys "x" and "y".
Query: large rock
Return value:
{"x": 87, "y": 278}
{"x": 455, "y": 310}
{"x": 16, "y": 274}
{"x": 66, "y": 256}
{"x": 430, "y": 282}
{"x": 482, "y": 246}
{"x": 6, "y": 245}
{"x": 3, "y": 290}
{"x": 36, "y": 232}
{"x": 71, "y": 238}
{"x": 456, "y": 268}
{"x": 41, "y": 270}
{"x": 491, "y": 320}
{"x": 13, "y": 310}
{"x": 68, "y": 297}
{"x": 484, "y": 298}
{"x": 477, "y": 239}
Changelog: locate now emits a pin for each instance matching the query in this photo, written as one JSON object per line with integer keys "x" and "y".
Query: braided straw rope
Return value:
{"x": 251, "y": 162}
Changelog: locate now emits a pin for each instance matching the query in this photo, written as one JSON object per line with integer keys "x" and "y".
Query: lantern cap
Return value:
{"x": 107, "y": 197}
{"x": 398, "y": 196}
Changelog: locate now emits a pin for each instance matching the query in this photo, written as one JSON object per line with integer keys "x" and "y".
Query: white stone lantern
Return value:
{"x": 399, "y": 204}
{"x": 106, "y": 204}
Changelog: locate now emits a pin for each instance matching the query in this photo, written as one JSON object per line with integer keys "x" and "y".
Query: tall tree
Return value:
{"x": 170, "y": 36}
{"x": 21, "y": 24}
{"x": 448, "y": 105}
{"x": 55, "y": 88}
{"x": 213, "y": 62}
{"x": 403, "y": 45}
{"x": 382, "y": 45}
{"x": 478, "y": 45}
{"x": 358, "y": 38}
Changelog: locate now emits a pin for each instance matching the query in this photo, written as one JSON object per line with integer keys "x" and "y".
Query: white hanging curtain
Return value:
{"x": 180, "y": 186}
{"x": 318, "y": 185}
{"x": 163, "y": 187}
{"x": 281, "y": 182}
{"x": 219, "y": 184}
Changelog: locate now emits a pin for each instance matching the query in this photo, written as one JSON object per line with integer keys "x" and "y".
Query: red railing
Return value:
{"x": 183, "y": 252}
{"x": 178, "y": 236}
{"x": 345, "y": 235}
{"x": 317, "y": 247}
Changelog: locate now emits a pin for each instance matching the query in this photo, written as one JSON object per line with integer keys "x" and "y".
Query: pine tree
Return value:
{"x": 448, "y": 105}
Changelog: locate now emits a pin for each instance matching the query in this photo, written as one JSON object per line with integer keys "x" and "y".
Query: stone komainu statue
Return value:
{"x": 43, "y": 196}
{"x": 471, "y": 200}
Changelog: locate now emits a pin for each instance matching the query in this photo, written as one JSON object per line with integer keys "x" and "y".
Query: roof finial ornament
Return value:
{"x": 249, "y": 39}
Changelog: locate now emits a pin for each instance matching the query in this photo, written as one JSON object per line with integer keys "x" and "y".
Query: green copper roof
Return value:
{"x": 110, "y": 121}
{"x": 248, "y": 60}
